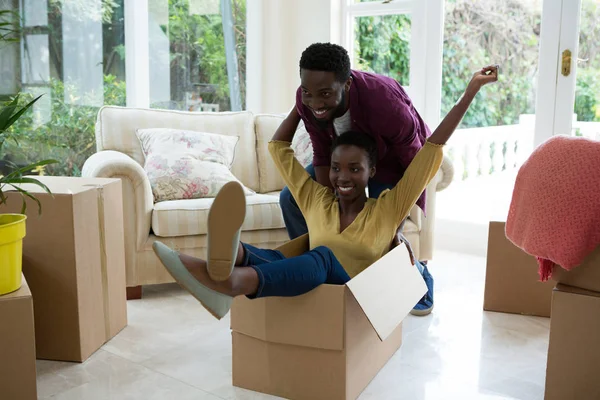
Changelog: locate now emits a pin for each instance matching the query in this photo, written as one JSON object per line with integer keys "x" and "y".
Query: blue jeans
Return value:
{"x": 286, "y": 277}
{"x": 292, "y": 216}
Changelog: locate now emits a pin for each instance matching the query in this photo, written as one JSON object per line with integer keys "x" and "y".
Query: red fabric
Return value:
{"x": 555, "y": 210}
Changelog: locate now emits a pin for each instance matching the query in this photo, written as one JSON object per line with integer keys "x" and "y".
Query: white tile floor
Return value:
{"x": 173, "y": 349}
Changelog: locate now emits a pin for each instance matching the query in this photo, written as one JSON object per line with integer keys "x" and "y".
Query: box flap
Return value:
{"x": 387, "y": 290}
{"x": 575, "y": 290}
{"x": 295, "y": 247}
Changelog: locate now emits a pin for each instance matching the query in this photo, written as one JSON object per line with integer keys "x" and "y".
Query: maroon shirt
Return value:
{"x": 380, "y": 107}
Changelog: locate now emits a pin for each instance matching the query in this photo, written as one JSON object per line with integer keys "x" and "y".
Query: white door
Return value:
{"x": 401, "y": 39}
{"x": 570, "y": 63}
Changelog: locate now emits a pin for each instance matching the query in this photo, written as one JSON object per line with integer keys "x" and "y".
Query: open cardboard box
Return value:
{"x": 328, "y": 343}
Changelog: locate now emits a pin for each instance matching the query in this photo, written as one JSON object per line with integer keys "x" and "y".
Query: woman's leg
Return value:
{"x": 252, "y": 255}
{"x": 298, "y": 275}
{"x": 285, "y": 277}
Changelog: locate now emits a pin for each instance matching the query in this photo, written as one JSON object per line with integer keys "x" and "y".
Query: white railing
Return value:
{"x": 589, "y": 130}
{"x": 491, "y": 150}
{"x": 481, "y": 152}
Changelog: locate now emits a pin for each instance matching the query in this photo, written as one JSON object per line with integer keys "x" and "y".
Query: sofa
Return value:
{"x": 182, "y": 224}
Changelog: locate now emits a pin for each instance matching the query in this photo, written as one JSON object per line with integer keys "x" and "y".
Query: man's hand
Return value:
{"x": 399, "y": 238}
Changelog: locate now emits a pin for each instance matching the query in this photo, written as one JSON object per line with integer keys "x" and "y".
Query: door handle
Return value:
{"x": 566, "y": 63}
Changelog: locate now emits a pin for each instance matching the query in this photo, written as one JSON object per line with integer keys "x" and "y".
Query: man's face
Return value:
{"x": 324, "y": 94}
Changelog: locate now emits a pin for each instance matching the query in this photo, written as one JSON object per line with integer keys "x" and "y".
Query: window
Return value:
{"x": 71, "y": 53}
{"x": 378, "y": 37}
{"x": 197, "y": 54}
{"x": 191, "y": 54}
{"x": 402, "y": 40}
{"x": 382, "y": 45}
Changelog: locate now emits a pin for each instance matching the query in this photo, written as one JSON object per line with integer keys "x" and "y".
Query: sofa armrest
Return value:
{"x": 138, "y": 201}
{"x": 442, "y": 180}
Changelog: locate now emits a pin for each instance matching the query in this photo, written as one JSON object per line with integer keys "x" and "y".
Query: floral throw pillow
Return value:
{"x": 186, "y": 164}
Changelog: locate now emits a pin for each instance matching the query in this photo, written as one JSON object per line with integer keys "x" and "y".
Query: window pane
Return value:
{"x": 382, "y": 45}
{"x": 72, "y": 53}
{"x": 496, "y": 134}
{"x": 190, "y": 62}
{"x": 485, "y": 32}
{"x": 587, "y": 91}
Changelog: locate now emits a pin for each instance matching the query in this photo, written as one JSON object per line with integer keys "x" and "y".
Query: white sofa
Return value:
{"x": 182, "y": 223}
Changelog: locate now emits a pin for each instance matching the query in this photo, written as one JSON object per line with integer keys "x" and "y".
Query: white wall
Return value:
{"x": 277, "y": 33}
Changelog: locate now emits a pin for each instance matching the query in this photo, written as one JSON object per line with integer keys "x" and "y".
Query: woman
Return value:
{"x": 347, "y": 231}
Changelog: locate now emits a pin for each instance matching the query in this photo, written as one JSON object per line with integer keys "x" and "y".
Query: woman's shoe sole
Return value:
{"x": 225, "y": 219}
{"x": 185, "y": 286}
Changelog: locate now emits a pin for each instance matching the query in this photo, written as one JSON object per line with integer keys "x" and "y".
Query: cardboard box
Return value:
{"x": 74, "y": 260}
{"x": 585, "y": 276}
{"x": 574, "y": 349}
{"x": 512, "y": 282}
{"x": 17, "y": 346}
{"x": 328, "y": 343}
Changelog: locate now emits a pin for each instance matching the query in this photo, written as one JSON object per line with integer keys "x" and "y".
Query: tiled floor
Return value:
{"x": 173, "y": 349}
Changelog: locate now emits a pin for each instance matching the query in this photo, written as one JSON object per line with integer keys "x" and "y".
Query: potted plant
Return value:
{"x": 12, "y": 226}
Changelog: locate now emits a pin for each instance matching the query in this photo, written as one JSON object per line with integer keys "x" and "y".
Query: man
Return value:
{"x": 333, "y": 99}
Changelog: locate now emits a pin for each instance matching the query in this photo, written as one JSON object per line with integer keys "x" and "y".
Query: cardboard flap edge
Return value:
{"x": 387, "y": 290}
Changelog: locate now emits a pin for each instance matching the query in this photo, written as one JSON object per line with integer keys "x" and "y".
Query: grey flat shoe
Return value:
{"x": 225, "y": 220}
{"x": 216, "y": 303}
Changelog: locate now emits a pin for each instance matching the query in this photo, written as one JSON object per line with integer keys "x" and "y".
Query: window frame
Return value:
{"x": 426, "y": 46}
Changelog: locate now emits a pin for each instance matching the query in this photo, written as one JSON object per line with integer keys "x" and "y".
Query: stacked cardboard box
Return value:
{"x": 513, "y": 286}
{"x": 585, "y": 276}
{"x": 512, "y": 282}
{"x": 574, "y": 349}
{"x": 74, "y": 261}
{"x": 17, "y": 345}
{"x": 329, "y": 343}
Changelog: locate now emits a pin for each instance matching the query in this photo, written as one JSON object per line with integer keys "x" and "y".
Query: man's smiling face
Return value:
{"x": 326, "y": 96}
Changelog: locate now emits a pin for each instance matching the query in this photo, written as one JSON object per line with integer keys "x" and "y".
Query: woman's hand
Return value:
{"x": 450, "y": 122}
{"x": 481, "y": 78}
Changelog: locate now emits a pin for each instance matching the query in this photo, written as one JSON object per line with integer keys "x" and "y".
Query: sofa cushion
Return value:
{"x": 265, "y": 127}
{"x": 184, "y": 164}
{"x": 116, "y": 127}
{"x": 190, "y": 217}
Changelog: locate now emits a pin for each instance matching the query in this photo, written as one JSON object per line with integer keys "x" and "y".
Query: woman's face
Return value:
{"x": 350, "y": 171}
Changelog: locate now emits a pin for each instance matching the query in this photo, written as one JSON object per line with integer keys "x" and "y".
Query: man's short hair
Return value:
{"x": 327, "y": 57}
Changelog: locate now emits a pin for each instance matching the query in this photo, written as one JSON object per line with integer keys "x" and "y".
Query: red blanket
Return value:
{"x": 555, "y": 210}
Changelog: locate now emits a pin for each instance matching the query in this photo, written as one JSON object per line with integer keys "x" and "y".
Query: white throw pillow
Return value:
{"x": 187, "y": 164}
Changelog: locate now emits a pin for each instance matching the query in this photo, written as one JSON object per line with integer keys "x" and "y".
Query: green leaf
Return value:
{"x": 32, "y": 197}
{"x": 32, "y": 181}
{"x": 18, "y": 114}
{"x": 28, "y": 168}
{"x": 7, "y": 111}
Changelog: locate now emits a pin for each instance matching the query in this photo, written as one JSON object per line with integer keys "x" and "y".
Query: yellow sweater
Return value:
{"x": 369, "y": 237}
